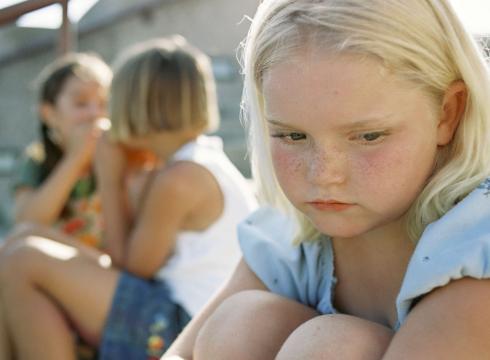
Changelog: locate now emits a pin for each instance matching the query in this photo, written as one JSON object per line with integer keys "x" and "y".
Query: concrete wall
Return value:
{"x": 215, "y": 26}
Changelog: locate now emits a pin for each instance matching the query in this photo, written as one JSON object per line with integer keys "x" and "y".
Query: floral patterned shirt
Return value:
{"x": 82, "y": 215}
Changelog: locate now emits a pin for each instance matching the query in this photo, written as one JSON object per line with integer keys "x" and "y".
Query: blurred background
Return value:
{"x": 34, "y": 32}
{"x": 29, "y": 42}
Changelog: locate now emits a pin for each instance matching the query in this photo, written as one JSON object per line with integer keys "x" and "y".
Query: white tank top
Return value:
{"x": 203, "y": 260}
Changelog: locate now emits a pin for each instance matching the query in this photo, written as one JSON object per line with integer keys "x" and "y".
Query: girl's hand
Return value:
{"x": 82, "y": 141}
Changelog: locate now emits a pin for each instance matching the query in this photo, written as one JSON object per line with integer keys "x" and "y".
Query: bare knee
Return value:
{"x": 15, "y": 264}
{"x": 336, "y": 337}
{"x": 15, "y": 237}
{"x": 22, "y": 230}
{"x": 26, "y": 261}
{"x": 250, "y": 325}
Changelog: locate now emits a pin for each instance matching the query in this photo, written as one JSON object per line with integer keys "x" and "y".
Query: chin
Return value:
{"x": 340, "y": 230}
{"x": 340, "y": 234}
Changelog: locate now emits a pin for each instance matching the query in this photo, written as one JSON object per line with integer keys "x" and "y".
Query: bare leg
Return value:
{"x": 36, "y": 318}
{"x": 44, "y": 283}
{"x": 337, "y": 337}
{"x": 5, "y": 345}
{"x": 250, "y": 325}
{"x": 25, "y": 230}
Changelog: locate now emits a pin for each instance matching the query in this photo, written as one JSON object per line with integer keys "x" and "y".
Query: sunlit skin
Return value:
{"x": 79, "y": 102}
{"x": 352, "y": 145}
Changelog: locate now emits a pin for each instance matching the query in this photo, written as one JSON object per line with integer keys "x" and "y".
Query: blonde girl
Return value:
{"x": 369, "y": 127}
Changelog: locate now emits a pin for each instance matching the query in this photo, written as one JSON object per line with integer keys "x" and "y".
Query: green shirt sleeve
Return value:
{"x": 26, "y": 174}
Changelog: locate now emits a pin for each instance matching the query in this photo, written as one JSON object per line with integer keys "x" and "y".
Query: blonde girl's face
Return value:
{"x": 352, "y": 146}
{"x": 79, "y": 102}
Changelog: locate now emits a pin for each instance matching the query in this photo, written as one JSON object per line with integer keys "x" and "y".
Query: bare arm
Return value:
{"x": 450, "y": 323}
{"x": 175, "y": 192}
{"x": 44, "y": 205}
{"x": 242, "y": 279}
{"x": 110, "y": 170}
{"x": 141, "y": 243}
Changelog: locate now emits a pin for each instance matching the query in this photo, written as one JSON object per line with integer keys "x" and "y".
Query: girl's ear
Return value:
{"x": 453, "y": 108}
{"x": 46, "y": 113}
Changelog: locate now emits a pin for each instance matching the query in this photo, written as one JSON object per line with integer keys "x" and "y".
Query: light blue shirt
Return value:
{"x": 455, "y": 246}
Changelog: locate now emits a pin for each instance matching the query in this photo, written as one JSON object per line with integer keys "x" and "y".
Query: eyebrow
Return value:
{"x": 276, "y": 122}
{"x": 368, "y": 122}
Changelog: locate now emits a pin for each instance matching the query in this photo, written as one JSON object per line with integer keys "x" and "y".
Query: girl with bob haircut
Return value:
{"x": 182, "y": 97}
{"x": 169, "y": 239}
{"x": 369, "y": 131}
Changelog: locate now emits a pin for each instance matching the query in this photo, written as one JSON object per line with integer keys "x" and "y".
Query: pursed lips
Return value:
{"x": 330, "y": 205}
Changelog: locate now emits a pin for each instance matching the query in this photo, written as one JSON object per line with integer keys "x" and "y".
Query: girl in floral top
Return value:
{"x": 54, "y": 184}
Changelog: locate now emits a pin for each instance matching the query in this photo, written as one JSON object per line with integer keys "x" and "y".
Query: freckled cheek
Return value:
{"x": 378, "y": 170}
{"x": 392, "y": 171}
{"x": 288, "y": 165}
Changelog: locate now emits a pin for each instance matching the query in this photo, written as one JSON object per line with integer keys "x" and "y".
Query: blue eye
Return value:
{"x": 296, "y": 136}
{"x": 371, "y": 136}
{"x": 289, "y": 136}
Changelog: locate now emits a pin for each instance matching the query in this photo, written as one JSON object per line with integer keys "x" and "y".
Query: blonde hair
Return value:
{"x": 421, "y": 41}
{"x": 162, "y": 85}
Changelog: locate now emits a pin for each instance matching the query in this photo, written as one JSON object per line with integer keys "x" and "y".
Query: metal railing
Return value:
{"x": 12, "y": 13}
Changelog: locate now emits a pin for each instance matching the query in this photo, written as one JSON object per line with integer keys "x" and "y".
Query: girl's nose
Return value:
{"x": 96, "y": 111}
{"x": 327, "y": 167}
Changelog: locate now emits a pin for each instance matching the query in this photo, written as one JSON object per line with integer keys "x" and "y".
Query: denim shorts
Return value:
{"x": 142, "y": 322}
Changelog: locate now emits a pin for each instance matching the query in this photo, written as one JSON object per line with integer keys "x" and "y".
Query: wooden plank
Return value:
{"x": 13, "y": 12}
